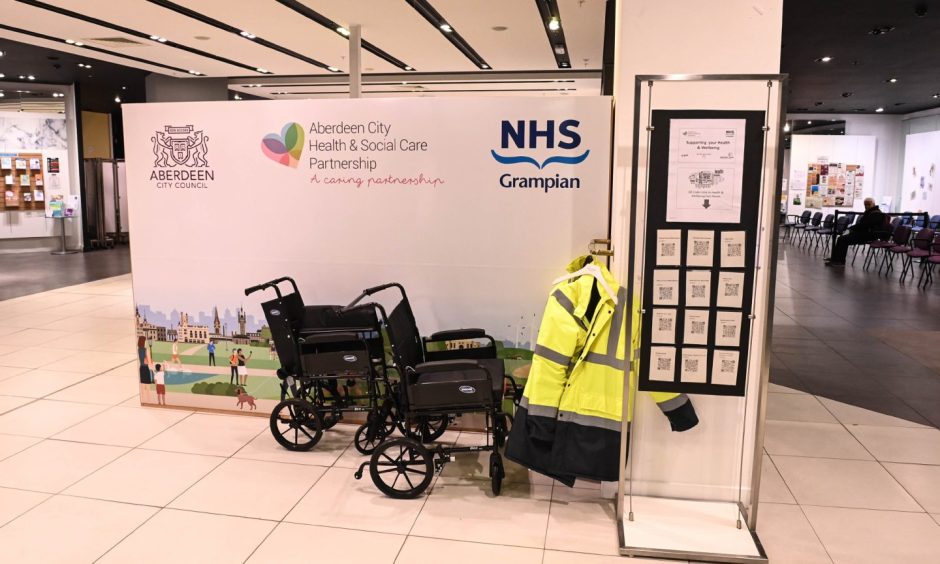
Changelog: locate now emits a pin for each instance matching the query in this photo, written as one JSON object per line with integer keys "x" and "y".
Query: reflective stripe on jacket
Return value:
{"x": 569, "y": 419}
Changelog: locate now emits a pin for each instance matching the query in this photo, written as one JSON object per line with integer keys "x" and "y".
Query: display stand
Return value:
{"x": 64, "y": 250}
{"x": 705, "y": 192}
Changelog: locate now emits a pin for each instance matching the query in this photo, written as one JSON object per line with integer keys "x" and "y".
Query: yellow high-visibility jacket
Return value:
{"x": 569, "y": 419}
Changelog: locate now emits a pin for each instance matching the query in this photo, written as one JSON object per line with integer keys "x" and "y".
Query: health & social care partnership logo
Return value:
{"x": 180, "y": 158}
{"x": 285, "y": 148}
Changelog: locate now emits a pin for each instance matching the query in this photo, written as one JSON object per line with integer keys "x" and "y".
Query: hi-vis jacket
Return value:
{"x": 568, "y": 421}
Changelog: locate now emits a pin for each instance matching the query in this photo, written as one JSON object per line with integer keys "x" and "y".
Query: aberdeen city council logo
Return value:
{"x": 180, "y": 158}
{"x": 287, "y": 147}
{"x": 180, "y": 146}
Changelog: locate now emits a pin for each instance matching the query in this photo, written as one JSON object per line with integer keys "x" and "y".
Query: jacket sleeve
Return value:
{"x": 559, "y": 339}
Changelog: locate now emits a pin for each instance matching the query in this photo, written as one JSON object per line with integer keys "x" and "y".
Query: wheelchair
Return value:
{"x": 436, "y": 385}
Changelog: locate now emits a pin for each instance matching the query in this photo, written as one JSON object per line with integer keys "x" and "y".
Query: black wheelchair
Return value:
{"x": 436, "y": 384}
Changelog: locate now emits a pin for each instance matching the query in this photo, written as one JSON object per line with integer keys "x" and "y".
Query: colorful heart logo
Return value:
{"x": 285, "y": 148}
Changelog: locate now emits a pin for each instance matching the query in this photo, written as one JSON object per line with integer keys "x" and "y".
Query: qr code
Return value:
{"x": 668, "y": 249}
{"x": 700, "y": 248}
{"x": 664, "y": 364}
{"x": 727, "y": 365}
{"x": 691, "y": 365}
{"x": 734, "y": 249}
{"x": 665, "y": 293}
{"x": 729, "y": 331}
{"x": 698, "y": 291}
{"x": 732, "y": 289}
{"x": 665, "y": 324}
{"x": 698, "y": 327}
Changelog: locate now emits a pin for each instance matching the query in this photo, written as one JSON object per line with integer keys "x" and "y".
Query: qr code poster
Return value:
{"x": 727, "y": 329}
{"x": 662, "y": 364}
{"x": 668, "y": 247}
{"x": 664, "y": 326}
{"x": 732, "y": 249}
{"x": 694, "y": 367}
{"x": 698, "y": 288}
{"x": 695, "y": 328}
{"x": 665, "y": 287}
{"x": 730, "y": 289}
{"x": 725, "y": 368}
{"x": 700, "y": 248}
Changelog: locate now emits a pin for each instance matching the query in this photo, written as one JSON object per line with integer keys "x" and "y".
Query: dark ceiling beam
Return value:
{"x": 135, "y": 33}
{"x": 340, "y": 30}
{"x": 434, "y": 17}
{"x": 551, "y": 21}
{"x": 182, "y": 10}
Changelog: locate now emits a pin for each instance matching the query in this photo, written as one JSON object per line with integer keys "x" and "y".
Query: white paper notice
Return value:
{"x": 665, "y": 286}
{"x": 730, "y": 289}
{"x": 725, "y": 368}
{"x": 695, "y": 327}
{"x": 698, "y": 288}
{"x": 663, "y": 364}
{"x": 694, "y": 365}
{"x": 664, "y": 326}
{"x": 727, "y": 328}
{"x": 706, "y": 169}
{"x": 700, "y": 248}
{"x": 732, "y": 249}
{"x": 668, "y": 247}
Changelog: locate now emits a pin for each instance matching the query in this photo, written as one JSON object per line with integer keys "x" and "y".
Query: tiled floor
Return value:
{"x": 86, "y": 475}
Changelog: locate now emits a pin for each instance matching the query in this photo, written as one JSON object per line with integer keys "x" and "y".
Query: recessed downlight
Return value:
{"x": 892, "y": 80}
{"x": 825, "y": 59}
{"x": 937, "y": 95}
{"x": 786, "y": 127}
{"x": 117, "y": 99}
{"x": 262, "y": 70}
{"x": 879, "y": 110}
{"x": 342, "y": 31}
{"x": 446, "y": 28}
{"x": 554, "y": 24}
{"x": 247, "y": 34}
{"x": 332, "y": 69}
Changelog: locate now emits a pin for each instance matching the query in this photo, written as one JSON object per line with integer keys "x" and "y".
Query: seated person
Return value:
{"x": 865, "y": 229}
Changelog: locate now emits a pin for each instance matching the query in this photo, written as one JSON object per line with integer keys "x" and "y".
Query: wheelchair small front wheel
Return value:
{"x": 369, "y": 435}
{"x": 497, "y": 472}
{"x": 296, "y": 425}
{"x": 427, "y": 428}
{"x": 401, "y": 468}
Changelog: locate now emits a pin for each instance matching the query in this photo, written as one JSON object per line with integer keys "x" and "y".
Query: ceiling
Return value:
{"x": 494, "y": 46}
{"x": 863, "y": 60}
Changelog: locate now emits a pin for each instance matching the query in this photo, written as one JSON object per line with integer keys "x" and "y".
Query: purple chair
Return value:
{"x": 920, "y": 249}
{"x": 882, "y": 243}
{"x": 901, "y": 239}
{"x": 932, "y": 260}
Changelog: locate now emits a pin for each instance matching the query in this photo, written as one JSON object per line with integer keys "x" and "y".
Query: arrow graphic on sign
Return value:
{"x": 706, "y": 204}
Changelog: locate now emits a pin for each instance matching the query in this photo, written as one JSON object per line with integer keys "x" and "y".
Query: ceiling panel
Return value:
{"x": 583, "y": 23}
{"x": 397, "y": 28}
{"x": 522, "y": 46}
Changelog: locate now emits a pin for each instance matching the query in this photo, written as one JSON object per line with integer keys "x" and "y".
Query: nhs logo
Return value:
{"x": 531, "y": 134}
{"x": 519, "y": 139}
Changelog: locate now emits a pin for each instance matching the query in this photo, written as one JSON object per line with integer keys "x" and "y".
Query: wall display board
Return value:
{"x": 699, "y": 272}
{"x": 24, "y": 183}
{"x": 831, "y": 171}
{"x": 474, "y": 204}
{"x": 920, "y": 180}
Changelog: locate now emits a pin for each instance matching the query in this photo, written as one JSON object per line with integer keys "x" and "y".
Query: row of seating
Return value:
{"x": 907, "y": 235}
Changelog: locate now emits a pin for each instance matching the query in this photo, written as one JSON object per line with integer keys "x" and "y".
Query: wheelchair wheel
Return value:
{"x": 330, "y": 417}
{"x": 296, "y": 425}
{"x": 401, "y": 468}
{"x": 426, "y": 428}
{"x": 370, "y": 434}
{"x": 496, "y": 472}
{"x": 499, "y": 430}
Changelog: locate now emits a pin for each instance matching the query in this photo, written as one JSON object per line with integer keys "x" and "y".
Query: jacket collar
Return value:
{"x": 587, "y": 281}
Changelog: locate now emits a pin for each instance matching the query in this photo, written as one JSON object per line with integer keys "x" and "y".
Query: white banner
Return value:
{"x": 475, "y": 205}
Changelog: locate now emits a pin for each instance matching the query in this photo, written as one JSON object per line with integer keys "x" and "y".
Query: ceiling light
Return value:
{"x": 342, "y": 31}
{"x": 554, "y": 24}
{"x": 79, "y": 44}
{"x": 2, "y": 53}
{"x": 934, "y": 96}
{"x": 892, "y": 80}
{"x": 2, "y": 94}
{"x": 70, "y": 41}
{"x": 117, "y": 99}
{"x": 484, "y": 66}
{"x": 4, "y": 76}
{"x": 559, "y": 49}
{"x": 564, "y": 64}
{"x": 825, "y": 59}
{"x": 446, "y": 28}
{"x": 237, "y": 97}
{"x": 261, "y": 70}
{"x": 158, "y": 38}
{"x": 31, "y": 77}
{"x": 810, "y": 122}
{"x": 247, "y": 35}
{"x": 407, "y": 68}
{"x": 22, "y": 77}
{"x": 786, "y": 127}
{"x": 879, "y": 110}
{"x": 196, "y": 73}
{"x": 332, "y": 69}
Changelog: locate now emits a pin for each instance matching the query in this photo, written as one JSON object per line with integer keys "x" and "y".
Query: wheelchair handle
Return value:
{"x": 273, "y": 284}
{"x": 373, "y": 290}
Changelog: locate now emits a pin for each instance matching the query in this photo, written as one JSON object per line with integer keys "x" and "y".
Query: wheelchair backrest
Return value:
{"x": 403, "y": 335}
{"x": 284, "y": 316}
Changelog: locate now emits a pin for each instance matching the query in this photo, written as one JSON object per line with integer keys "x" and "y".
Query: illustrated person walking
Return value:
{"x": 211, "y": 348}
{"x": 175, "y": 354}
{"x": 243, "y": 367}
{"x": 233, "y": 365}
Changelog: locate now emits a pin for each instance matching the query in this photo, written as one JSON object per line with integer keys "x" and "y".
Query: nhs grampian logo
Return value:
{"x": 180, "y": 158}
{"x": 521, "y": 140}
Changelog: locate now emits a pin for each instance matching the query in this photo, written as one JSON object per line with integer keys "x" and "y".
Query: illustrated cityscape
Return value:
{"x": 238, "y": 328}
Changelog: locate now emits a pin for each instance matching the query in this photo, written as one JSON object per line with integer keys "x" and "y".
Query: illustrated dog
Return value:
{"x": 244, "y": 398}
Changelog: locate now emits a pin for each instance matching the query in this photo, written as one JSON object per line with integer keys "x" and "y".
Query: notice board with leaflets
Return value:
{"x": 701, "y": 235}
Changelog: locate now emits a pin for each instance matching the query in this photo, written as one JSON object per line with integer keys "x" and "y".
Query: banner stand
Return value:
{"x": 704, "y": 194}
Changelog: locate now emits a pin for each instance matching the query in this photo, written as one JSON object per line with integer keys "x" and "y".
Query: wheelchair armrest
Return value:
{"x": 449, "y": 366}
{"x": 457, "y": 334}
{"x": 315, "y": 337}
